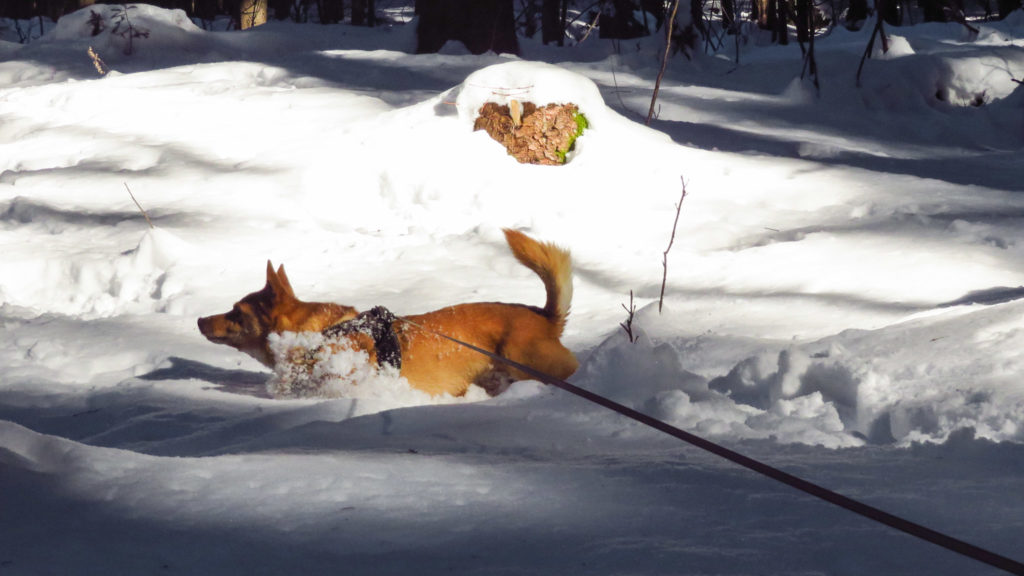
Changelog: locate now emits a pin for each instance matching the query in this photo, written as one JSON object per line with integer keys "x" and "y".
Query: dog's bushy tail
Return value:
{"x": 553, "y": 265}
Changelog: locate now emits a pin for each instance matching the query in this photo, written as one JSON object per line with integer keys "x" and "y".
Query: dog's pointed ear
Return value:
{"x": 277, "y": 282}
{"x": 282, "y": 278}
{"x": 271, "y": 277}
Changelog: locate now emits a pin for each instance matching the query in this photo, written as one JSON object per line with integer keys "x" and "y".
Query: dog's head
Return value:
{"x": 274, "y": 309}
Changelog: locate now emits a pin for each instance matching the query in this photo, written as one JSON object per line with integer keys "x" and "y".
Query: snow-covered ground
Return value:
{"x": 844, "y": 300}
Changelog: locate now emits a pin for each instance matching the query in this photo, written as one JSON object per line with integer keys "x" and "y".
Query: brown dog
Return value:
{"x": 524, "y": 334}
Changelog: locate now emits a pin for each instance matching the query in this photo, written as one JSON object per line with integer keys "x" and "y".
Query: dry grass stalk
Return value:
{"x": 98, "y": 62}
{"x": 144, "y": 215}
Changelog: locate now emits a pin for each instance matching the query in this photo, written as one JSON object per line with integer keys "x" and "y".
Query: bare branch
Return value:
{"x": 671, "y": 240}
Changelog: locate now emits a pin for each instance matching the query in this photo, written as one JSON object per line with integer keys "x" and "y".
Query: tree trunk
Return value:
{"x": 364, "y": 13}
{"x": 563, "y": 21}
{"x": 857, "y": 13}
{"x": 430, "y": 30}
{"x": 728, "y": 15}
{"x": 331, "y": 11}
{"x": 697, "y": 16}
{"x": 934, "y": 10}
{"x": 18, "y": 9}
{"x": 252, "y": 13}
{"x": 530, "y": 12}
{"x": 760, "y": 11}
{"x": 619, "y": 23}
{"x": 282, "y": 9}
{"x": 1007, "y": 6}
{"x": 550, "y": 25}
{"x": 482, "y": 25}
{"x": 890, "y": 11}
{"x": 803, "y": 21}
{"x": 781, "y": 33}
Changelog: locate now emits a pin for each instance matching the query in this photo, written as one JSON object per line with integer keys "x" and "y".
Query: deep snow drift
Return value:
{"x": 843, "y": 300}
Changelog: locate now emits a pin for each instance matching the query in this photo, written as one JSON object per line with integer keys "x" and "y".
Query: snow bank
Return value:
{"x": 942, "y": 78}
{"x": 922, "y": 380}
{"x": 118, "y": 31}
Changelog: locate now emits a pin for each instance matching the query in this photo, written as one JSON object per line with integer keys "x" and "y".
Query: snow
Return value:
{"x": 843, "y": 300}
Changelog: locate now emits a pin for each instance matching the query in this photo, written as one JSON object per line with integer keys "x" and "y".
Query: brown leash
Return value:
{"x": 924, "y": 533}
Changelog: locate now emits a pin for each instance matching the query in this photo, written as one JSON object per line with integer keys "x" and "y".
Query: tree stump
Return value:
{"x": 542, "y": 136}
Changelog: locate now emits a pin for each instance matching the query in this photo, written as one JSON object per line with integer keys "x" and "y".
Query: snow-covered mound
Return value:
{"x": 115, "y": 31}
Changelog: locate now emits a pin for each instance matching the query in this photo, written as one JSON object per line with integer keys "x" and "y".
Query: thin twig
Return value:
{"x": 627, "y": 326}
{"x": 664, "y": 61}
{"x": 590, "y": 28}
{"x": 618, "y": 91}
{"x": 131, "y": 34}
{"x": 671, "y": 240}
{"x": 144, "y": 215}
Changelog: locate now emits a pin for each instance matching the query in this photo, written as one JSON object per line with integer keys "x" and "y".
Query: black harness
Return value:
{"x": 377, "y": 323}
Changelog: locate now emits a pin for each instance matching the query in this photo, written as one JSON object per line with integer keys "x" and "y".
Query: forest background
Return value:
{"x": 496, "y": 25}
